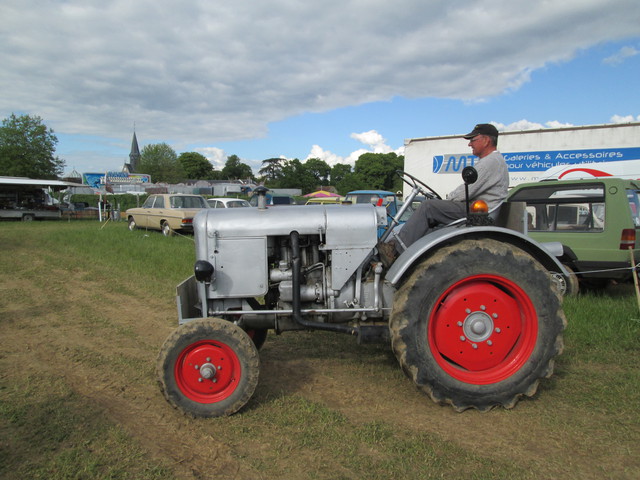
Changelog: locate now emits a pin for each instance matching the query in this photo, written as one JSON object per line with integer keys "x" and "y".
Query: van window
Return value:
{"x": 634, "y": 205}
{"x": 564, "y": 207}
{"x": 278, "y": 200}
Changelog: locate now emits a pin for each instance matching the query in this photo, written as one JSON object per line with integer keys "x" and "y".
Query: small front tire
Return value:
{"x": 208, "y": 368}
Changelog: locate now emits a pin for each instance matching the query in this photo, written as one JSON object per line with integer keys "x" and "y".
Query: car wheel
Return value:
{"x": 166, "y": 229}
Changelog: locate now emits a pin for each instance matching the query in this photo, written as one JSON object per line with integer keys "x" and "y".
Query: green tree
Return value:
{"x": 378, "y": 170}
{"x": 234, "y": 169}
{"x": 338, "y": 172}
{"x": 196, "y": 166}
{"x": 350, "y": 182}
{"x": 271, "y": 170}
{"x": 296, "y": 175}
{"x": 319, "y": 169}
{"x": 27, "y": 148}
{"x": 161, "y": 162}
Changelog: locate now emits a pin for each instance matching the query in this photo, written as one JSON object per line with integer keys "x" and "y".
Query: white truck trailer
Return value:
{"x": 532, "y": 155}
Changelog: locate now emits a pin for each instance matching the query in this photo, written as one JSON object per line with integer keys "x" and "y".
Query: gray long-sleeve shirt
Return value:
{"x": 492, "y": 183}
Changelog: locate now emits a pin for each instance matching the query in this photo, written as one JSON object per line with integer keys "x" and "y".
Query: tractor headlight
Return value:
{"x": 203, "y": 271}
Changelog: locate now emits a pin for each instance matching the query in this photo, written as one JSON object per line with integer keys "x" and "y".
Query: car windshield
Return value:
{"x": 237, "y": 204}
{"x": 148, "y": 203}
{"x": 369, "y": 198}
{"x": 188, "y": 202}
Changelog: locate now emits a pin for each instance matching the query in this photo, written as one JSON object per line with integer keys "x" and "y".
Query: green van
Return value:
{"x": 597, "y": 221}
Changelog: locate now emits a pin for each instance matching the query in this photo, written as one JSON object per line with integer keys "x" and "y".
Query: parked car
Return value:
{"x": 379, "y": 198}
{"x": 273, "y": 199}
{"x": 166, "y": 212}
{"x": 227, "y": 203}
{"x": 596, "y": 220}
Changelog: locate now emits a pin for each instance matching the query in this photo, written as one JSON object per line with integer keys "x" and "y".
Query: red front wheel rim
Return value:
{"x": 483, "y": 329}
{"x": 207, "y": 371}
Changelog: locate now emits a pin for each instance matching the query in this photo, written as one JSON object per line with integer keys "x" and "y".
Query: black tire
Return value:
{"x": 166, "y": 229}
{"x": 208, "y": 368}
{"x": 569, "y": 287}
{"x": 132, "y": 224}
{"x": 477, "y": 325}
{"x": 28, "y": 218}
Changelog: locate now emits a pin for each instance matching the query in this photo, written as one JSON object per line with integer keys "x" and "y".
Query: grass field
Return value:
{"x": 84, "y": 309}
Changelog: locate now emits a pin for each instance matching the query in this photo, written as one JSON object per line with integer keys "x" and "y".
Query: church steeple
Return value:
{"x": 134, "y": 156}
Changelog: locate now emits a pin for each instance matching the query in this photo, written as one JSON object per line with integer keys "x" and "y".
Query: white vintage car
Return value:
{"x": 166, "y": 212}
{"x": 227, "y": 203}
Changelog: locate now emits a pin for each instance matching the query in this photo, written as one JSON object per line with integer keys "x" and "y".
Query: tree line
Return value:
{"x": 27, "y": 149}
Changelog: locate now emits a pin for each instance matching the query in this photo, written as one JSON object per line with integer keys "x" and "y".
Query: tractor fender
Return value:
{"x": 436, "y": 239}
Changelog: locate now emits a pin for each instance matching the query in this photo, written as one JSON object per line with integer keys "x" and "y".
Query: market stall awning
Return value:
{"x": 321, "y": 194}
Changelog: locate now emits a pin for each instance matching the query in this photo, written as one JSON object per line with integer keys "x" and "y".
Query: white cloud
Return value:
{"x": 372, "y": 139}
{"x": 318, "y": 152}
{"x": 206, "y": 72}
{"x": 621, "y": 56}
{"x": 216, "y": 156}
{"x": 625, "y": 119}
{"x": 354, "y": 156}
{"x": 527, "y": 125}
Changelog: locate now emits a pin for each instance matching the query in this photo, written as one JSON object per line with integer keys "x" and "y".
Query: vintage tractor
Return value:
{"x": 472, "y": 310}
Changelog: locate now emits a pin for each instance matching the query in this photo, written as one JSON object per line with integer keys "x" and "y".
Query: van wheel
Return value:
{"x": 477, "y": 325}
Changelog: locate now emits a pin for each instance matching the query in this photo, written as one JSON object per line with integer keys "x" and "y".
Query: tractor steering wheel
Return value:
{"x": 422, "y": 187}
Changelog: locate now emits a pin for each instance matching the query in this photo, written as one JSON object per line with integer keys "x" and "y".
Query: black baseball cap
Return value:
{"x": 482, "y": 129}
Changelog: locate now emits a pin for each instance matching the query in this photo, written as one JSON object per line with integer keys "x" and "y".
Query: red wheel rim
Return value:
{"x": 207, "y": 371}
{"x": 483, "y": 329}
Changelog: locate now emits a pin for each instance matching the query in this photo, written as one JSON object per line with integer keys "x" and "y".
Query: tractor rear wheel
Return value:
{"x": 477, "y": 325}
{"x": 208, "y": 368}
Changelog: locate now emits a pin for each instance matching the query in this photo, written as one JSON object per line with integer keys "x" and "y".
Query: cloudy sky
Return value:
{"x": 298, "y": 79}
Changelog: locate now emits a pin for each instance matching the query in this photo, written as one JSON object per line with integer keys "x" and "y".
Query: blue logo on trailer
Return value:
{"x": 538, "y": 161}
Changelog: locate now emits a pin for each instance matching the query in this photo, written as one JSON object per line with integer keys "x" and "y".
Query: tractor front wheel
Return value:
{"x": 477, "y": 325}
{"x": 208, "y": 368}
